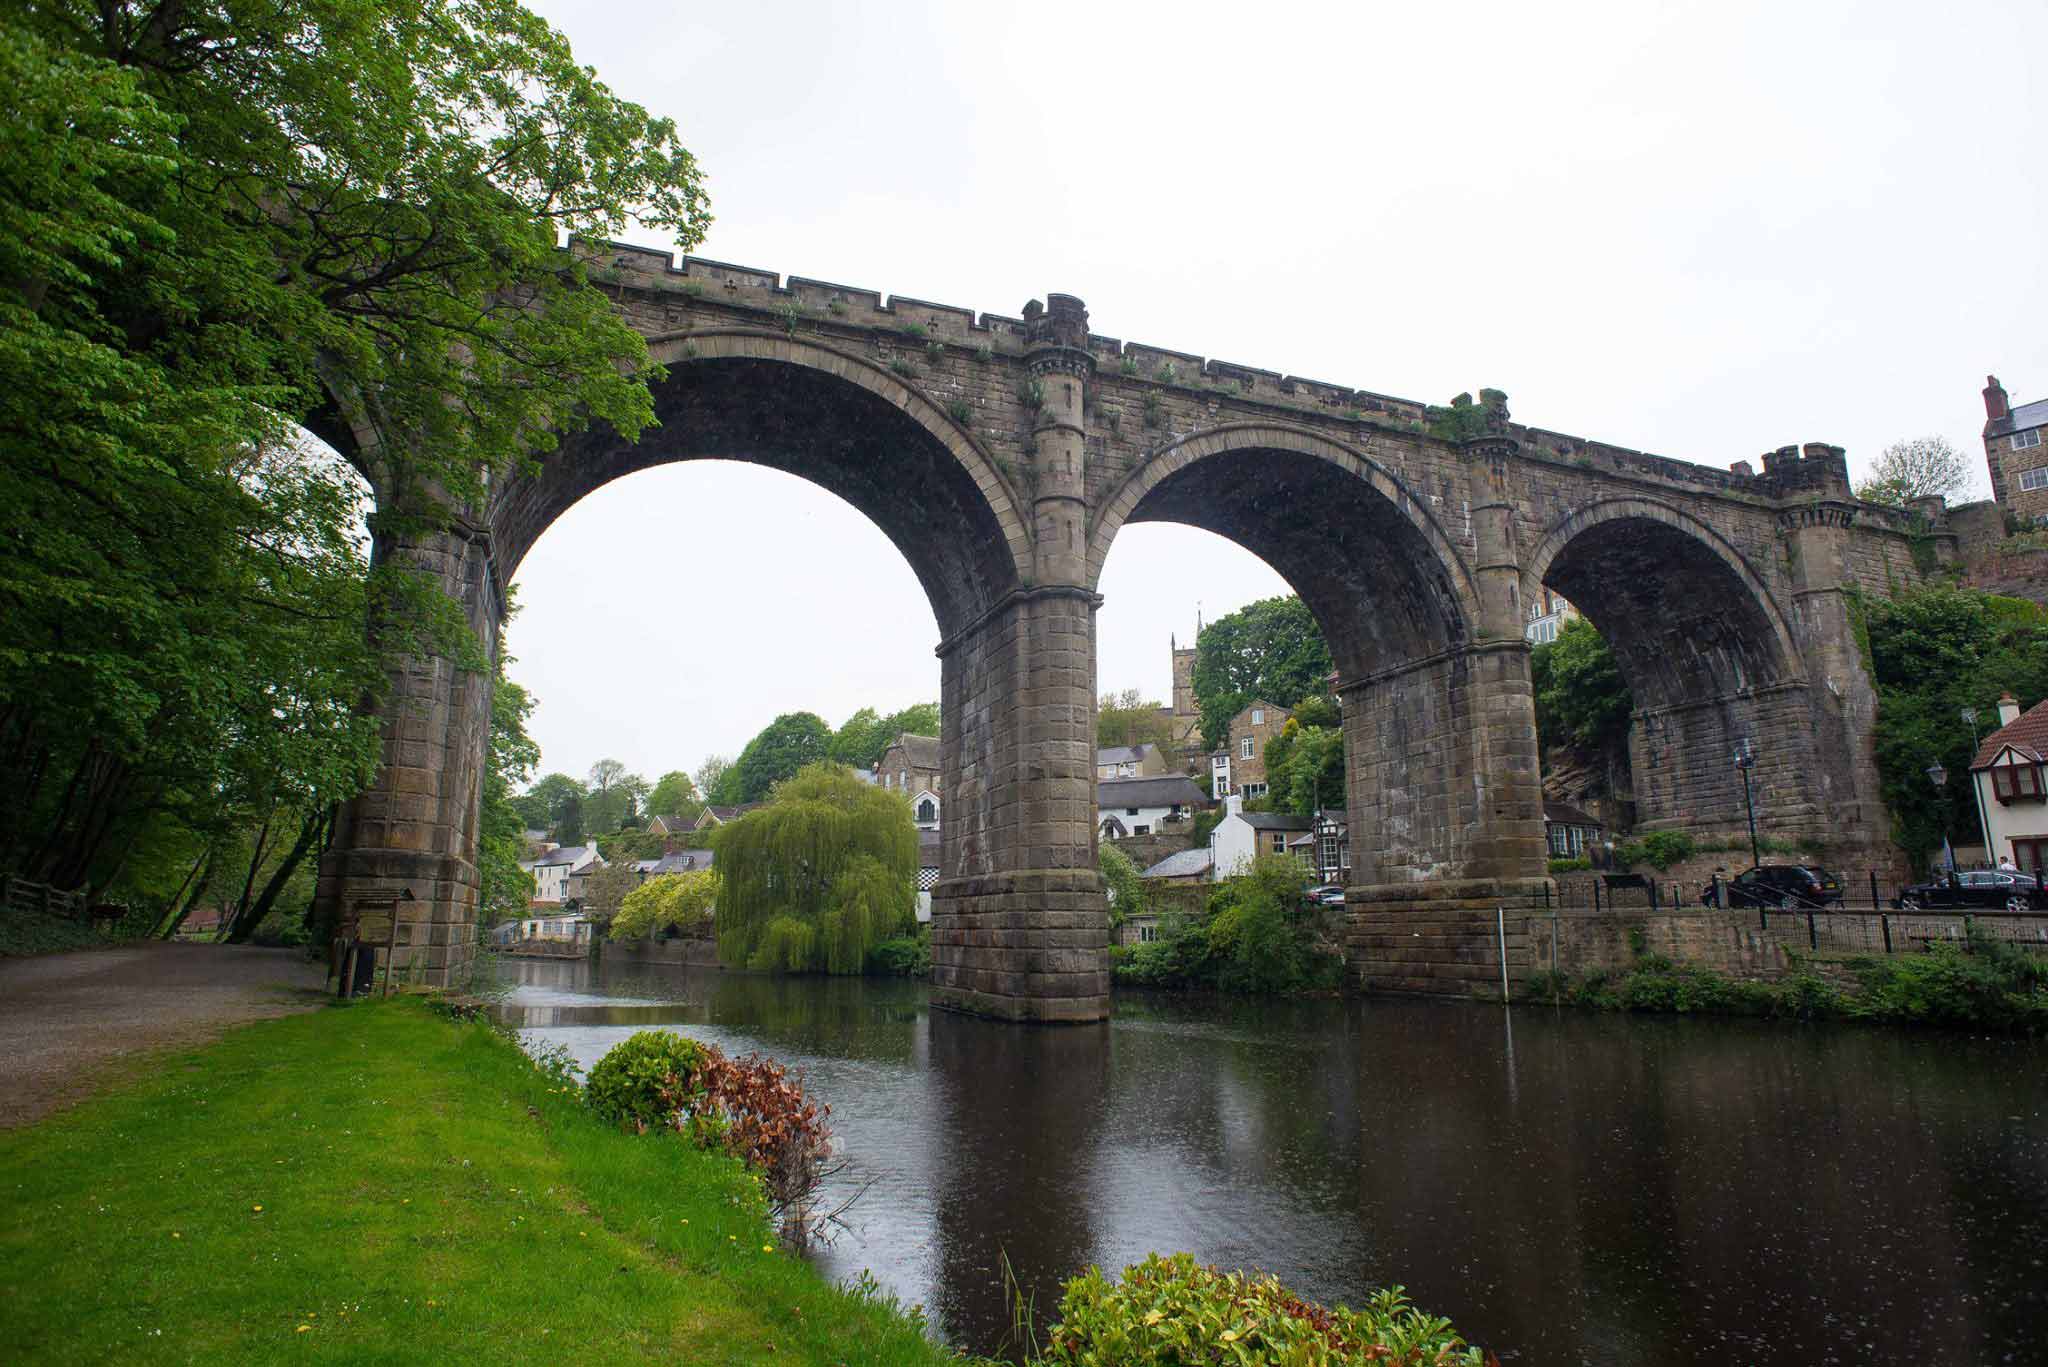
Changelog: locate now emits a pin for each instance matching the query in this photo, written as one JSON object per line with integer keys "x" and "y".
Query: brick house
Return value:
{"x": 910, "y": 766}
{"x": 2016, "y": 449}
{"x": 1240, "y": 766}
{"x": 1130, "y": 761}
{"x": 2010, "y": 774}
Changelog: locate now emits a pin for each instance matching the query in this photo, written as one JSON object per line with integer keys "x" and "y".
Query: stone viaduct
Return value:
{"x": 1002, "y": 455}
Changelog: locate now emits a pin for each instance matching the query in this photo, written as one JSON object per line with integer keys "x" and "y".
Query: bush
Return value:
{"x": 907, "y": 956}
{"x": 1558, "y": 866}
{"x": 1258, "y": 934}
{"x": 755, "y": 1110}
{"x": 1169, "y": 1311}
{"x": 639, "y": 1082}
{"x": 1659, "y": 849}
{"x": 1989, "y": 983}
{"x": 281, "y": 929}
{"x": 673, "y": 902}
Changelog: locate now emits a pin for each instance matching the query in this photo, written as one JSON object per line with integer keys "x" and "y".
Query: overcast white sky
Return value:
{"x": 1702, "y": 230}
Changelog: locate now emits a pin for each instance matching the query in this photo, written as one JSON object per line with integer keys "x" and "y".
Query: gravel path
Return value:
{"x": 66, "y": 1018}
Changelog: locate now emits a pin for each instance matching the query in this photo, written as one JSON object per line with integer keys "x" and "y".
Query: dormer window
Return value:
{"x": 2017, "y": 783}
{"x": 927, "y": 810}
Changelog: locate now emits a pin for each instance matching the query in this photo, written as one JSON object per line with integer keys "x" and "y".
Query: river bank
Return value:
{"x": 379, "y": 1183}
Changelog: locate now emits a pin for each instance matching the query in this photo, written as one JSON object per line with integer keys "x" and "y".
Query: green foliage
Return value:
{"x": 544, "y": 805}
{"x": 903, "y": 956}
{"x": 1934, "y": 651}
{"x": 1166, "y": 1312}
{"x": 784, "y": 746}
{"x": 1305, "y": 765}
{"x": 629, "y": 845}
{"x": 673, "y": 794}
{"x": 675, "y": 901}
{"x": 862, "y": 738}
{"x": 1130, "y": 718}
{"x": 818, "y": 876}
{"x": 631, "y": 1085}
{"x": 1985, "y": 983}
{"x": 1558, "y": 866}
{"x": 1258, "y": 933}
{"x": 1120, "y": 877}
{"x": 1581, "y": 699}
{"x": 1464, "y": 419}
{"x": 1271, "y": 650}
{"x": 210, "y": 248}
{"x": 1907, "y": 470}
{"x": 1658, "y": 849}
{"x": 511, "y": 754}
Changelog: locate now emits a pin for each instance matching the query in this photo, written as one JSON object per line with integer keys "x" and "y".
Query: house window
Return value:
{"x": 2031, "y": 855}
{"x": 1147, "y": 934}
{"x": 1258, "y": 716}
{"x": 903, "y": 779}
{"x": 2034, "y": 479}
{"x": 927, "y": 810}
{"x": 1141, "y": 830}
{"x": 1254, "y": 790}
{"x": 1220, "y": 762}
{"x": 1326, "y": 850}
{"x": 1279, "y": 843}
{"x": 2023, "y": 440}
{"x": 2017, "y": 782}
{"x": 1130, "y": 811}
{"x": 1244, "y": 748}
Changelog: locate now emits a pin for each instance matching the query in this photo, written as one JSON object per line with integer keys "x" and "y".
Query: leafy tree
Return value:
{"x": 605, "y": 889}
{"x": 1271, "y": 649}
{"x": 553, "y": 795}
{"x": 710, "y": 776}
{"x": 1128, "y": 718}
{"x": 501, "y": 831}
{"x": 1126, "y": 888}
{"x": 866, "y": 734}
{"x": 1933, "y": 652}
{"x": 569, "y": 825}
{"x": 1907, "y": 470}
{"x": 673, "y": 795}
{"x": 604, "y": 774}
{"x": 674, "y": 901}
{"x": 818, "y": 877}
{"x": 1305, "y": 768}
{"x": 783, "y": 747}
{"x": 222, "y": 226}
{"x": 1581, "y": 699}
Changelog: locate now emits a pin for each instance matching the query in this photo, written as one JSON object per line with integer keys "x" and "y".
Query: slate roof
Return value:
{"x": 1181, "y": 865}
{"x": 2028, "y": 735}
{"x": 572, "y": 855}
{"x": 721, "y": 815}
{"x": 1161, "y": 790}
{"x": 1275, "y": 821}
{"x": 681, "y": 861}
{"x": 919, "y": 752}
{"x": 1564, "y": 814}
{"x": 2027, "y": 415}
{"x": 1122, "y": 754}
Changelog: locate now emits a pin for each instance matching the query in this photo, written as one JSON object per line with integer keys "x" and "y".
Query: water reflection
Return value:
{"x": 1568, "y": 1188}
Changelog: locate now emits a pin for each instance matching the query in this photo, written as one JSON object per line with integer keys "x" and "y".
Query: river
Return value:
{"x": 1566, "y": 1187}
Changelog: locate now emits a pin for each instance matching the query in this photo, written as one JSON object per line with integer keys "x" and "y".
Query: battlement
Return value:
{"x": 1816, "y": 468}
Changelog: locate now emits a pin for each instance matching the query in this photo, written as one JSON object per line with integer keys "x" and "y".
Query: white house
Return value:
{"x": 1241, "y": 836}
{"x": 1139, "y": 806}
{"x": 565, "y": 926}
{"x": 2010, "y": 774}
{"x": 551, "y": 872}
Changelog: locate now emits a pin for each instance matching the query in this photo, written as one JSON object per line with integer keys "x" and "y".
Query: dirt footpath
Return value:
{"x": 66, "y": 1018}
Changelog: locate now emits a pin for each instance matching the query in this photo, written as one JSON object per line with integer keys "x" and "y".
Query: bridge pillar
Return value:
{"x": 1020, "y": 927}
{"x": 1445, "y": 780}
{"x": 411, "y": 838}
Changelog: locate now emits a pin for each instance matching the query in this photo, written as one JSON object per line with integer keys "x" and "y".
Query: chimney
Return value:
{"x": 1995, "y": 406}
{"x": 2008, "y": 709}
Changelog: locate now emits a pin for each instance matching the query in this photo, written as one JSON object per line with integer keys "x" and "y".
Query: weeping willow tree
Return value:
{"x": 812, "y": 881}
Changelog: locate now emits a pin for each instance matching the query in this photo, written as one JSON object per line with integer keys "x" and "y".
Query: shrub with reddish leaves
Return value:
{"x": 755, "y": 1109}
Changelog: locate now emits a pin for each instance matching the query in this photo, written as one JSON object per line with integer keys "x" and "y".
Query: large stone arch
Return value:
{"x": 410, "y": 841}
{"x": 838, "y": 420}
{"x": 1323, "y": 497}
{"x": 1710, "y": 657}
{"x": 1438, "y": 717}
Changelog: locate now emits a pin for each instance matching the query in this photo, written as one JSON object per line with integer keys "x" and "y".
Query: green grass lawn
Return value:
{"x": 373, "y": 1183}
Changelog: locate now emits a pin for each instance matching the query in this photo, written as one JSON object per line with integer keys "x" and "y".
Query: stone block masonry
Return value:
{"x": 1002, "y": 455}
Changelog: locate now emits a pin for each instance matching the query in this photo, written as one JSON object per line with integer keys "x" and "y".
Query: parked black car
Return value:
{"x": 1986, "y": 889}
{"x": 1777, "y": 885}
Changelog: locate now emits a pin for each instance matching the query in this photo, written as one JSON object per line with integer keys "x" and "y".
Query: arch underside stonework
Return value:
{"x": 1001, "y": 457}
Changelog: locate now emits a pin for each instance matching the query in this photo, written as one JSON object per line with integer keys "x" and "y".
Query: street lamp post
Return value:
{"x": 1745, "y": 760}
{"x": 1937, "y": 774}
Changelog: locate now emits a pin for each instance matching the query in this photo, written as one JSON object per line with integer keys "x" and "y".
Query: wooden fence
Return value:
{"x": 23, "y": 897}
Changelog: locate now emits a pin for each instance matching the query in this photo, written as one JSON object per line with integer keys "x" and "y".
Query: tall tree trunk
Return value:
{"x": 249, "y": 881}
{"x": 247, "y": 921}
{"x": 178, "y": 915}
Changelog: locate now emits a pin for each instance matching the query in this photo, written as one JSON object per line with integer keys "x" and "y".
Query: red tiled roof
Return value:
{"x": 2029, "y": 733}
